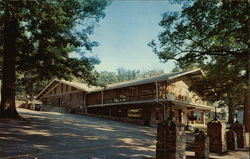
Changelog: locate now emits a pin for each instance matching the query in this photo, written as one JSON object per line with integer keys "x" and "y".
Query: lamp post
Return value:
{"x": 236, "y": 114}
{"x": 170, "y": 98}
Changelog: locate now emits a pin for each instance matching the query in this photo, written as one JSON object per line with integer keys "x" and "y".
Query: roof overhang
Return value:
{"x": 47, "y": 88}
{"x": 55, "y": 82}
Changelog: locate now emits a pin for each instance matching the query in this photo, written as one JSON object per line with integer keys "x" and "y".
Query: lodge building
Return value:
{"x": 138, "y": 99}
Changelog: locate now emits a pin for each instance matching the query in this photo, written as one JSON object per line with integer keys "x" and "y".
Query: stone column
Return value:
{"x": 240, "y": 132}
{"x": 171, "y": 141}
{"x": 231, "y": 140}
{"x": 216, "y": 134}
{"x": 201, "y": 142}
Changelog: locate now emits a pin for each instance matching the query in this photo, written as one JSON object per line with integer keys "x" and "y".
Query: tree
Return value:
{"x": 224, "y": 85}
{"x": 29, "y": 86}
{"x": 37, "y": 37}
{"x": 122, "y": 74}
{"x": 207, "y": 34}
{"x": 106, "y": 77}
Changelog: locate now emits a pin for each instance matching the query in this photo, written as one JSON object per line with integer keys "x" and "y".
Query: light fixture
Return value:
{"x": 170, "y": 97}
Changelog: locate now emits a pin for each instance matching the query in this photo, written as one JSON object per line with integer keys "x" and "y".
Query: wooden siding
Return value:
{"x": 126, "y": 94}
{"x": 180, "y": 89}
{"x": 61, "y": 89}
{"x": 69, "y": 101}
{"x": 64, "y": 96}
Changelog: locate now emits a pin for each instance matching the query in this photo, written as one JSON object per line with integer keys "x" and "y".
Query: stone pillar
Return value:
{"x": 240, "y": 132}
{"x": 216, "y": 134}
{"x": 171, "y": 141}
{"x": 231, "y": 138}
{"x": 201, "y": 142}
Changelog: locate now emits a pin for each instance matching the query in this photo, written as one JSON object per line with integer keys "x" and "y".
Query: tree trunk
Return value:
{"x": 230, "y": 113}
{"x": 246, "y": 119}
{"x": 10, "y": 33}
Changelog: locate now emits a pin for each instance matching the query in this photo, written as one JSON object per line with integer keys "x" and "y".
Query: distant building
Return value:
{"x": 139, "y": 99}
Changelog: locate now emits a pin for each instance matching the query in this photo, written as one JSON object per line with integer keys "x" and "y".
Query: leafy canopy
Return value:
{"x": 48, "y": 31}
{"x": 204, "y": 29}
{"x": 212, "y": 35}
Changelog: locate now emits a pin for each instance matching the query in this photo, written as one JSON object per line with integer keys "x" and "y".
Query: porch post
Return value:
{"x": 102, "y": 98}
{"x": 156, "y": 90}
{"x": 84, "y": 103}
{"x": 203, "y": 117}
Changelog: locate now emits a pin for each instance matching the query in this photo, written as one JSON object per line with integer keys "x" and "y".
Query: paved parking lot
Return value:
{"x": 51, "y": 135}
{"x": 56, "y": 135}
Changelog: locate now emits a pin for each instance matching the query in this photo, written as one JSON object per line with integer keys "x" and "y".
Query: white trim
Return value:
{"x": 204, "y": 107}
{"x": 45, "y": 88}
{"x": 45, "y": 94}
{"x": 61, "y": 94}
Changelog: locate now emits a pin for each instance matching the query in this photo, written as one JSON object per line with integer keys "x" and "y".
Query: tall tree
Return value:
{"x": 208, "y": 33}
{"x": 37, "y": 37}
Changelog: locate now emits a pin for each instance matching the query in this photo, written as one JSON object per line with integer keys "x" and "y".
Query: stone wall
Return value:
{"x": 171, "y": 141}
{"x": 216, "y": 134}
{"x": 73, "y": 100}
{"x": 69, "y": 101}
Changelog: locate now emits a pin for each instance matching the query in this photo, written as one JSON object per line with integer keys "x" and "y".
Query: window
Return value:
{"x": 61, "y": 88}
{"x": 67, "y": 88}
{"x": 73, "y": 88}
{"x": 55, "y": 91}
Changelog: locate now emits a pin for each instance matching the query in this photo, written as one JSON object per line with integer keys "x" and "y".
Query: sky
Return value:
{"x": 125, "y": 32}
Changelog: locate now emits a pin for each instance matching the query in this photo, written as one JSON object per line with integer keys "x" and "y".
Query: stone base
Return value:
{"x": 240, "y": 131}
{"x": 201, "y": 142}
{"x": 231, "y": 140}
{"x": 171, "y": 141}
{"x": 217, "y": 137}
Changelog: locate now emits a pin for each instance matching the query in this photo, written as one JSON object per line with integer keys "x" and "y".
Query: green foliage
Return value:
{"x": 122, "y": 74}
{"x": 204, "y": 29}
{"x": 214, "y": 36}
{"x": 48, "y": 31}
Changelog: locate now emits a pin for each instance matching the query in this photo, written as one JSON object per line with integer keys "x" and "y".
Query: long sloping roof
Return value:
{"x": 81, "y": 86}
{"x": 164, "y": 77}
{"x": 194, "y": 75}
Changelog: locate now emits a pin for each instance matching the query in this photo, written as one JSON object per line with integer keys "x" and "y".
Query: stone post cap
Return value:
{"x": 171, "y": 123}
{"x": 214, "y": 121}
{"x": 201, "y": 135}
{"x": 236, "y": 125}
